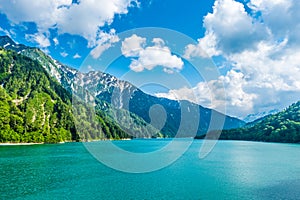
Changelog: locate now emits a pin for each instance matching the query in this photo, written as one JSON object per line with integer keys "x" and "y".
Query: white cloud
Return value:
{"x": 56, "y": 42}
{"x": 83, "y": 18}
{"x": 105, "y": 42}
{"x": 97, "y": 51}
{"x": 64, "y": 54}
{"x": 226, "y": 92}
{"x": 256, "y": 84}
{"x": 41, "y": 39}
{"x": 151, "y": 56}
{"x": 205, "y": 48}
{"x": 76, "y": 56}
{"x": 229, "y": 29}
{"x": 263, "y": 49}
{"x": 282, "y": 17}
{"x": 184, "y": 93}
{"x": 131, "y": 46}
{"x": 158, "y": 42}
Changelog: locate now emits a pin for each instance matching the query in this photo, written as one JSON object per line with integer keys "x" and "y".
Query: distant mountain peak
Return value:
{"x": 256, "y": 116}
{"x": 7, "y": 43}
{"x": 4, "y": 40}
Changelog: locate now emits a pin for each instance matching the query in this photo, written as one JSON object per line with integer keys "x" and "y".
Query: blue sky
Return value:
{"x": 183, "y": 17}
{"x": 242, "y": 56}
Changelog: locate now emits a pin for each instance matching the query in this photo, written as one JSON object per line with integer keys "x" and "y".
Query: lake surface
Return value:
{"x": 233, "y": 170}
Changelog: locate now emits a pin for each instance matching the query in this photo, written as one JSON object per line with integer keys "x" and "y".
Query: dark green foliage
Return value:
{"x": 281, "y": 127}
{"x": 31, "y": 110}
{"x": 34, "y": 107}
{"x": 92, "y": 124}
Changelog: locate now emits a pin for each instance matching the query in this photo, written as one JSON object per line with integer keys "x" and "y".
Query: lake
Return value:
{"x": 233, "y": 170}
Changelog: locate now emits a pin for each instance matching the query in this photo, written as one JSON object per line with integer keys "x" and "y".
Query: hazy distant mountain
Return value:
{"x": 256, "y": 116}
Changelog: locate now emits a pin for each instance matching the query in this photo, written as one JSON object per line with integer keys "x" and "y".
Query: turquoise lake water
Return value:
{"x": 233, "y": 170}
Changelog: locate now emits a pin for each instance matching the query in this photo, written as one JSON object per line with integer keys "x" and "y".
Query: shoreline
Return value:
{"x": 128, "y": 139}
{"x": 19, "y": 144}
{"x": 29, "y": 144}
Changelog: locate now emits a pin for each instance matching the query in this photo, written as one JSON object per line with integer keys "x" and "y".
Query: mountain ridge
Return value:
{"x": 121, "y": 94}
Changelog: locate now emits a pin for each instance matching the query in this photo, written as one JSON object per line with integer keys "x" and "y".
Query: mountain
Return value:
{"x": 34, "y": 107}
{"x": 81, "y": 85}
{"x": 123, "y": 95}
{"x": 122, "y": 102}
{"x": 257, "y": 116}
{"x": 7, "y": 43}
{"x": 281, "y": 127}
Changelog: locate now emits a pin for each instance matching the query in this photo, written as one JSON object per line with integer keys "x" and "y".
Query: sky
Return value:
{"x": 237, "y": 56}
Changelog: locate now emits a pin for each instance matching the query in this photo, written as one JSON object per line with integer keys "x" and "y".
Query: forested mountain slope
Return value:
{"x": 281, "y": 127}
{"x": 34, "y": 107}
{"x": 133, "y": 115}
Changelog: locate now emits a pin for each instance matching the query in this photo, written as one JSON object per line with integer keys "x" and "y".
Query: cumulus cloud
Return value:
{"x": 149, "y": 57}
{"x": 259, "y": 81}
{"x": 83, "y": 18}
{"x": 229, "y": 29}
{"x": 205, "y": 48}
{"x": 41, "y": 39}
{"x": 282, "y": 17}
{"x": 261, "y": 46}
{"x": 105, "y": 42}
{"x": 132, "y": 46}
{"x": 225, "y": 93}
